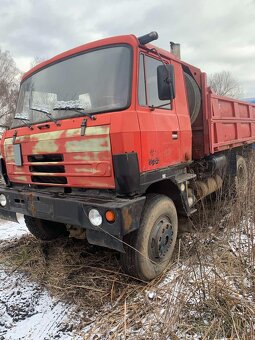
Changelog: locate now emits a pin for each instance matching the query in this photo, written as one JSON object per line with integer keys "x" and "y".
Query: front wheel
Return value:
{"x": 45, "y": 230}
{"x": 150, "y": 248}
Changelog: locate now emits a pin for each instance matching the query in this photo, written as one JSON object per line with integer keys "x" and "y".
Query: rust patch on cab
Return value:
{"x": 127, "y": 218}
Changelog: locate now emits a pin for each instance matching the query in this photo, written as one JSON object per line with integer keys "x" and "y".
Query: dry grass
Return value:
{"x": 209, "y": 290}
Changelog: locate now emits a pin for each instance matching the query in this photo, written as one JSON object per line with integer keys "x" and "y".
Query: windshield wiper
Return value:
{"x": 76, "y": 109}
{"x": 25, "y": 122}
{"x": 152, "y": 107}
{"x": 47, "y": 113}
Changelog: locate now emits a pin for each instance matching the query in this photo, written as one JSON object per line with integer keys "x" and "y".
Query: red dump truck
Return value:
{"x": 120, "y": 138}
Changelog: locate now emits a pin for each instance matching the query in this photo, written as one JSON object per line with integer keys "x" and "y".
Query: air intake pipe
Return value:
{"x": 145, "y": 39}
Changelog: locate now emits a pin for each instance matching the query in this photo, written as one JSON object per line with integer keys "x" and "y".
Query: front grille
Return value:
{"x": 49, "y": 179}
{"x": 45, "y": 158}
{"x": 47, "y": 168}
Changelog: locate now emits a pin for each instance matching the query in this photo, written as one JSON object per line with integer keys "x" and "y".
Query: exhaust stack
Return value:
{"x": 175, "y": 49}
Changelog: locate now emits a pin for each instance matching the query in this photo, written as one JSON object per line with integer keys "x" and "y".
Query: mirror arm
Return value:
{"x": 158, "y": 54}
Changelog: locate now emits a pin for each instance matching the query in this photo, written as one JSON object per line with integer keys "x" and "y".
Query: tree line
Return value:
{"x": 9, "y": 85}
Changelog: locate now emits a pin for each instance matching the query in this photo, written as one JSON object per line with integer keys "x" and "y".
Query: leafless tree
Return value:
{"x": 9, "y": 83}
{"x": 37, "y": 60}
{"x": 225, "y": 84}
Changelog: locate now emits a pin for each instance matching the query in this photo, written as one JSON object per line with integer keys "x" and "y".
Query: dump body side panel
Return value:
{"x": 231, "y": 123}
{"x": 223, "y": 123}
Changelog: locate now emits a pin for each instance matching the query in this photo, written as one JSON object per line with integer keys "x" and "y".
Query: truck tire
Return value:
{"x": 45, "y": 230}
{"x": 149, "y": 249}
{"x": 193, "y": 95}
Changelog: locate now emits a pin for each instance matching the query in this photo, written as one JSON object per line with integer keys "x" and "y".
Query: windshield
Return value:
{"x": 96, "y": 81}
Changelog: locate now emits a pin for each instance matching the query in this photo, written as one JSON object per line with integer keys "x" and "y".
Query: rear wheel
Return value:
{"x": 150, "y": 248}
{"x": 45, "y": 230}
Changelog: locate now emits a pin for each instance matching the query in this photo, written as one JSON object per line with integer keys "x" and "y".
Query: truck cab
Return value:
{"x": 102, "y": 140}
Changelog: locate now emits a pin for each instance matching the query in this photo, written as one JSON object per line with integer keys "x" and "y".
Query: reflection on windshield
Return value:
{"x": 98, "y": 80}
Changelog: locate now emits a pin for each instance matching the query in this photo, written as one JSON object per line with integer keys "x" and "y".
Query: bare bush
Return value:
{"x": 225, "y": 84}
{"x": 37, "y": 60}
{"x": 9, "y": 83}
{"x": 207, "y": 292}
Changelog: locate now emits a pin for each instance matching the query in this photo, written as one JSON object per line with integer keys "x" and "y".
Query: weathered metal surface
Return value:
{"x": 84, "y": 157}
{"x": 232, "y": 123}
{"x": 74, "y": 210}
{"x": 208, "y": 186}
{"x": 223, "y": 123}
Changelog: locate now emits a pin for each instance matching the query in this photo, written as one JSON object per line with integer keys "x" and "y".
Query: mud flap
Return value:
{"x": 102, "y": 239}
{"x": 8, "y": 215}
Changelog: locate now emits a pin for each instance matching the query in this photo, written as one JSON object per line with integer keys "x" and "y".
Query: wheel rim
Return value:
{"x": 161, "y": 239}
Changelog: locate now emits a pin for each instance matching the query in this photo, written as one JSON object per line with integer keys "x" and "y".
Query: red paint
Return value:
{"x": 221, "y": 124}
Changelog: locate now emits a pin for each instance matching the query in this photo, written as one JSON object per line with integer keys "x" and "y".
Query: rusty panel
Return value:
{"x": 84, "y": 158}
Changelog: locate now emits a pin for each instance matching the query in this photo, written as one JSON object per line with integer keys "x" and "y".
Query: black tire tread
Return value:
{"x": 128, "y": 259}
{"x": 45, "y": 230}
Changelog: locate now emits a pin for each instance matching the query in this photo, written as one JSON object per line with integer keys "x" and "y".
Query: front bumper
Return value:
{"x": 74, "y": 209}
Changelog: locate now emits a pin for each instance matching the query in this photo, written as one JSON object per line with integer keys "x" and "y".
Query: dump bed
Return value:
{"x": 223, "y": 123}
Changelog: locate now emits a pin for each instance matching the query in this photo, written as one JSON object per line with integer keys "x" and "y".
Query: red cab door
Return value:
{"x": 160, "y": 130}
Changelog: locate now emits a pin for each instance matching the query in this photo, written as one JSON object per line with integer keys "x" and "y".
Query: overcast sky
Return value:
{"x": 214, "y": 35}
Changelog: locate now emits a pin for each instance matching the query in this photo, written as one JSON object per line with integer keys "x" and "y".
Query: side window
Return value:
{"x": 148, "y": 85}
{"x": 151, "y": 65}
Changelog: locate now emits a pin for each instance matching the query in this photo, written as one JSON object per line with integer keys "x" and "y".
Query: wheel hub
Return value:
{"x": 161, "y": 239}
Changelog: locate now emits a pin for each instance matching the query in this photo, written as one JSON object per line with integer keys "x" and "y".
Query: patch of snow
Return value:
{"x": 28, "y": 312}
{"x": 10, "y": 229}
{"x": 151, "y": 295}
{"x": 243, "y": 240}
{"x": 26, "y": 309}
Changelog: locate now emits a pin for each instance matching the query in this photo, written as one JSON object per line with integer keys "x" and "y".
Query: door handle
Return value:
{"x": 175, "y": 135}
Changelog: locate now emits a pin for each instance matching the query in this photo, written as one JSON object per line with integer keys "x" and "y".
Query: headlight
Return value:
{"x": 3, "y": 200}
{"x": 95, "y": 218}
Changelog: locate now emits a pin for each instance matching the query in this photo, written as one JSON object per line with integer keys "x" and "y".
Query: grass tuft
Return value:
{"x": 208, "y": 290}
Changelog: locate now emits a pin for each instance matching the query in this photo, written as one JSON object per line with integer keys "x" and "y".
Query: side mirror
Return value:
{"x": 166, "y": 83}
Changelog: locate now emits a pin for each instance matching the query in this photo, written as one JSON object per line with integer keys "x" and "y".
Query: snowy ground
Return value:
{"x": 10, "y": 230}
{"x": 26, "y": 310}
